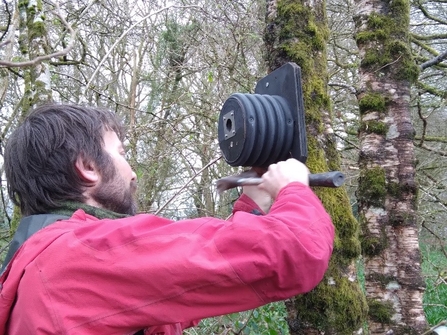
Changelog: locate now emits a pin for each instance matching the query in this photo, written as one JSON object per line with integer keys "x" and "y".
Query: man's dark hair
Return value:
{"x": 40, "y": 154}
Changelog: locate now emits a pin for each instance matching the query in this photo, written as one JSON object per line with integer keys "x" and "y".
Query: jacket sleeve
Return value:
{"x": 294, "y": 251}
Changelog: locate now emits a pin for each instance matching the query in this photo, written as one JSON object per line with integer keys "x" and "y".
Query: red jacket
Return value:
{"x": 90, "y": 276}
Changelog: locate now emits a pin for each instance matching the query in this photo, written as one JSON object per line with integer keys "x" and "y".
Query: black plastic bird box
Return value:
{"x": 266, "y": 127}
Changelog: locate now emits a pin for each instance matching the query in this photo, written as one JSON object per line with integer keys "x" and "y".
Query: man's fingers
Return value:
{"x": 282, "y": 173}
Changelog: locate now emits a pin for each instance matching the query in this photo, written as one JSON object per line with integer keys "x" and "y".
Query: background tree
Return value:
{"x": 428, "y": 37}
{"x": 299, "y": 33}
{"x": 29, "y": 19}
{"x": 387, "y": 191}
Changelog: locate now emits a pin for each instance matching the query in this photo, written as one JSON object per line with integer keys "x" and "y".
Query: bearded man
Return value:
{"x": 83, "y": 262}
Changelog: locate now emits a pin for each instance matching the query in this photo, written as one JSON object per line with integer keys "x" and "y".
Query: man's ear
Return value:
{"x": 87, "y": 170}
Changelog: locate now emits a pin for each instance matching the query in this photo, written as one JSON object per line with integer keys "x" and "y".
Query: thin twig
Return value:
{"x": 245, "y": 324}
{"x": 434, "y": 327}
{"x": 380, "y": 68}
{"x": 5, "y": 247}
{"x": 436, "y": 236}
{"x": 126, "y": 32}
{"x": 187, "y": 183}
{"x": 40, "y": 59}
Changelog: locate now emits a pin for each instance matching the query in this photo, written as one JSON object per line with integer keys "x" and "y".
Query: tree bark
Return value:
{"x": 33, "y": 43}
{"x": 387, "y": 189}
{"x": 297, "y": 32}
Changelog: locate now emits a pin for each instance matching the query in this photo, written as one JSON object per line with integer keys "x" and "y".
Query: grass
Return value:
{"x": 434, "y": 269}
{"x": 269, "y": 320}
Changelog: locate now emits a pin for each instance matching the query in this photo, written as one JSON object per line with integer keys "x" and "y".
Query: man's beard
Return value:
{"x": 113, "y": 194}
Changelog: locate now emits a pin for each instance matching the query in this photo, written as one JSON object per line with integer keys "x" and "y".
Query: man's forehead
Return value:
{"x": 110, "y": 137}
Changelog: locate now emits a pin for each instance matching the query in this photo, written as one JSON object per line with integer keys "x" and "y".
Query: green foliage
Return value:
{"x": 174, "y": 39}
{"x": 434, "y": 269}
{"x": 5, "y": 236}
{"x": 269, "y": 319}
{"x": 16, "y": 217}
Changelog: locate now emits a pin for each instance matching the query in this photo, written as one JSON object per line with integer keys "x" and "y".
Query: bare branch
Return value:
{"x": 438, "y": 59}
{"x": 429, "y": 16}
{"x": 40, "y": 59}
{"x": 5, "y": 43}
{"x": 126, "y": 32}
{"x": 8, "y": 23}
{"x": 186, "y": 184}
{"x": 438, "y": 152}
{"x": 351, "y": 88}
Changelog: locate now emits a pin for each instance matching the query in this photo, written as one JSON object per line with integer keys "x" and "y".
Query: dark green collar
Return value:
{"x": 68, "y": 208}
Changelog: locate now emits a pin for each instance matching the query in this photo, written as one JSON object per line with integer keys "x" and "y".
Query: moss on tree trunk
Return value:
{"x": 298, "y": 33}
{"x": 387, "y": 190}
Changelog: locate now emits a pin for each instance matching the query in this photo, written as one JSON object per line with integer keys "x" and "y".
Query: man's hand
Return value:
{"x": 282, "y": 173}
{"x": 274, "y": 179}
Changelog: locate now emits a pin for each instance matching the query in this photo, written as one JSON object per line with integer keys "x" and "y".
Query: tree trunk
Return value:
{"x": 37, "y": 78}
{"x": 297, "y": 32}
{"x": 33, "y": 44}
{"x": 387, "y": 190}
